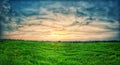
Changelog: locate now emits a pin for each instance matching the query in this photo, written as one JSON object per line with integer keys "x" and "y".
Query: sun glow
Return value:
{"x": 58, "y": 35}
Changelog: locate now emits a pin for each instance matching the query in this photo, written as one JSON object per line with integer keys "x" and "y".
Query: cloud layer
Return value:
{"x": 60, "y": 20}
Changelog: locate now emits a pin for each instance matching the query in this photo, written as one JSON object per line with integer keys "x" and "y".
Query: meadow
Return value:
{"x": 16, "y": 52}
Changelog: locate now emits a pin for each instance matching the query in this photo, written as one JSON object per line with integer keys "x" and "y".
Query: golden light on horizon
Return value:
{"x": 58, "y": 35}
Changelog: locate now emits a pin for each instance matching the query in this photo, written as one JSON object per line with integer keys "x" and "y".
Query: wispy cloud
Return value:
{"x": 57, "y": 20}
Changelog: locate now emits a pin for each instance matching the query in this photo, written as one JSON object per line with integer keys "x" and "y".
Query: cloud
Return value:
{"x": 57, "y": 20}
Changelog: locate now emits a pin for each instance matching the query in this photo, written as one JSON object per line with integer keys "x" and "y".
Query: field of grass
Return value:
{"x": 59, "y": 53}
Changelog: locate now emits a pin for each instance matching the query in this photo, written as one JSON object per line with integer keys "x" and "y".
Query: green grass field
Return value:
{"x": 59, "y": 53}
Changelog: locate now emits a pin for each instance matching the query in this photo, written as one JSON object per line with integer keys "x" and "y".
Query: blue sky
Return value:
{"x": 60, "y": 20}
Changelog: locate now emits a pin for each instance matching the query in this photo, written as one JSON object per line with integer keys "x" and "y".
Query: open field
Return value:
{"x": 59, "y": 53}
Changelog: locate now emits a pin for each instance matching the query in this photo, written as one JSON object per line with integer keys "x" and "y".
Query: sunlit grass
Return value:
{"x": 59, "y": 53}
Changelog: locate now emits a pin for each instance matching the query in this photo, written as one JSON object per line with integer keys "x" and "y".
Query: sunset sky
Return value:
{"x": 63, "y": 20}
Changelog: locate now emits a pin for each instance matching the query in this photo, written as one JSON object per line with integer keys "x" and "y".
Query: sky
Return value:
{"x": 60, "y": 20}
